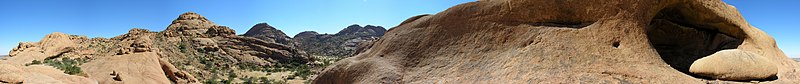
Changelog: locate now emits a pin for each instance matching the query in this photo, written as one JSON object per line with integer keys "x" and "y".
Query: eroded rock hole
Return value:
{"x": 568, "y": 24}
{"x": 615, "y": 44}
{"x": 680, "y": 42}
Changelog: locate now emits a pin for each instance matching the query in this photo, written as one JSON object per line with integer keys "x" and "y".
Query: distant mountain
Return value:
{"x": 3, "y": 55}
{"x": 266, "y": 32}
{"x": 796, "y": 59}
{"x": 343, "y": 43}
{"x": 191, "y": 50}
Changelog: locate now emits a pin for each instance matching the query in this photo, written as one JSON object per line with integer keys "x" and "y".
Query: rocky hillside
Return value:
{"x": 342, "y": 44}
{"x": 191, "y": 50}
{"x": 572, "y": 41}
{"x": 266, "y": 32}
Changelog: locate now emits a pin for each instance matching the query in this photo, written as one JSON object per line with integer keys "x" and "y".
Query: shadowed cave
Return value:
{"x": 680, "y": 37}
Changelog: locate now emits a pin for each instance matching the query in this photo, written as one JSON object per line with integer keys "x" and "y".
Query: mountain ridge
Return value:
{"x": 190, "y": 50}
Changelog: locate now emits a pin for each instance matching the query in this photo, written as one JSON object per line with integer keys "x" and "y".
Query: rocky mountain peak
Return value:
{"x": 268, "y": 33}
{"x": 262, "y": 28}
{"x": 350, "y": 29}
{"x": 375, "y": 30}
{"x": 191, "y": 16}
{"x": 368, "y": 30}
{"x": 306, "y": 34}
{"x": 189, "y": 24}
{"x": 343, "y": 44}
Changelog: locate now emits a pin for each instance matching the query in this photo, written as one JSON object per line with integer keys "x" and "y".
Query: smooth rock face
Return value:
{"x": 137, "y": 68}
{"x": 38, "y": 74}
{"x": 559, "y": 41}
{"x": 734, "y": 65}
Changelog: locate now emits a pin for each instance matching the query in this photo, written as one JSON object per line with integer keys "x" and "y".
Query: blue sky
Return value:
{"x": 30, "y": 20}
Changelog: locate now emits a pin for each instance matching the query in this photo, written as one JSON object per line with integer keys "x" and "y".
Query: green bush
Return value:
{"x": 213, "y": 80}
{"x": 264, "y": 80}
{"x": 250, "y": 66}
{"x": 248, "y": 80}
{"x": 34, "y": 62}
{"x": 69, "y": 66}
{"x": 183, "y": 47}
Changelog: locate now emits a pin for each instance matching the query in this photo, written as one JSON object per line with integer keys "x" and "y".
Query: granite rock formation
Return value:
{"x": 266, "y": 32}
{"x": 191, "y": 50}
{"x": 561, "y": 41}
{"x": 341, "y": 44}
{"x": 734, "y": 64}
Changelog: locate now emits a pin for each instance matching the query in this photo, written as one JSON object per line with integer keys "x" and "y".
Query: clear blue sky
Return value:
{"x": 30, "y": 20}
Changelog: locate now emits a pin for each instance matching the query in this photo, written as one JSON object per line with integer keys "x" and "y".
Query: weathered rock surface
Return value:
{"x": 266, "y": 32}
{"x": 54, "y": 44}
{"x": 137, "y": 68}
{"x": 38, "y": 74}
{"x": 341, "y": 44}
{"x": 252, "y": 50}
{"x": 189, "y": 24}
{"x": 734, "y": 65}
{"x": 558, "y": 41}
{"x": 176, "y": 74}
{"x": 191, "y": 50}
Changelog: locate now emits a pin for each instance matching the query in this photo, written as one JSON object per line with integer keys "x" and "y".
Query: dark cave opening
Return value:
{"x": 681, "y": 38}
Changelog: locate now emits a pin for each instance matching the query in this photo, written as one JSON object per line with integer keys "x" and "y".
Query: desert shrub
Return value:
{"x": 34, "y": 62}
{"x": 231, "y": 76}
{"x": 183, "y": 47}
{"x": 249, "y": 80}
{"x": 304, "y": 73}
{"x": 264, "y": 80}
{"x": 69, "y": 66}
{"x": 250, "y": 66}
{"x": 202, "y": 50}
{"x": 213, "y": 80}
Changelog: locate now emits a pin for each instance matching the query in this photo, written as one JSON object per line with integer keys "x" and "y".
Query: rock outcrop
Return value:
{"x": 734, "y": 65}
{"x": 341, "y": 44}
{"x": 191, "y": 50}
{"x": 189, "y": 24}
{"x": 137, "y": 68}
{"x": 266, "y": 32}
{"x": 39, "y": 74}
{"x": 558, "y": 41}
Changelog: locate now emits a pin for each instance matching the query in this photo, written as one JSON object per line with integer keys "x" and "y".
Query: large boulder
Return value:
{"x": 135, "y": 41}
{"x": 136, "y": 68}
{"x": 220, "y": 31}
{"x": 734, "y": 65}
{"x": 560, "y": 41}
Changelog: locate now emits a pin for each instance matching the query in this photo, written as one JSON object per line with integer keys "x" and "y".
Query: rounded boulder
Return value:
{"x": 734, "y": 64}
